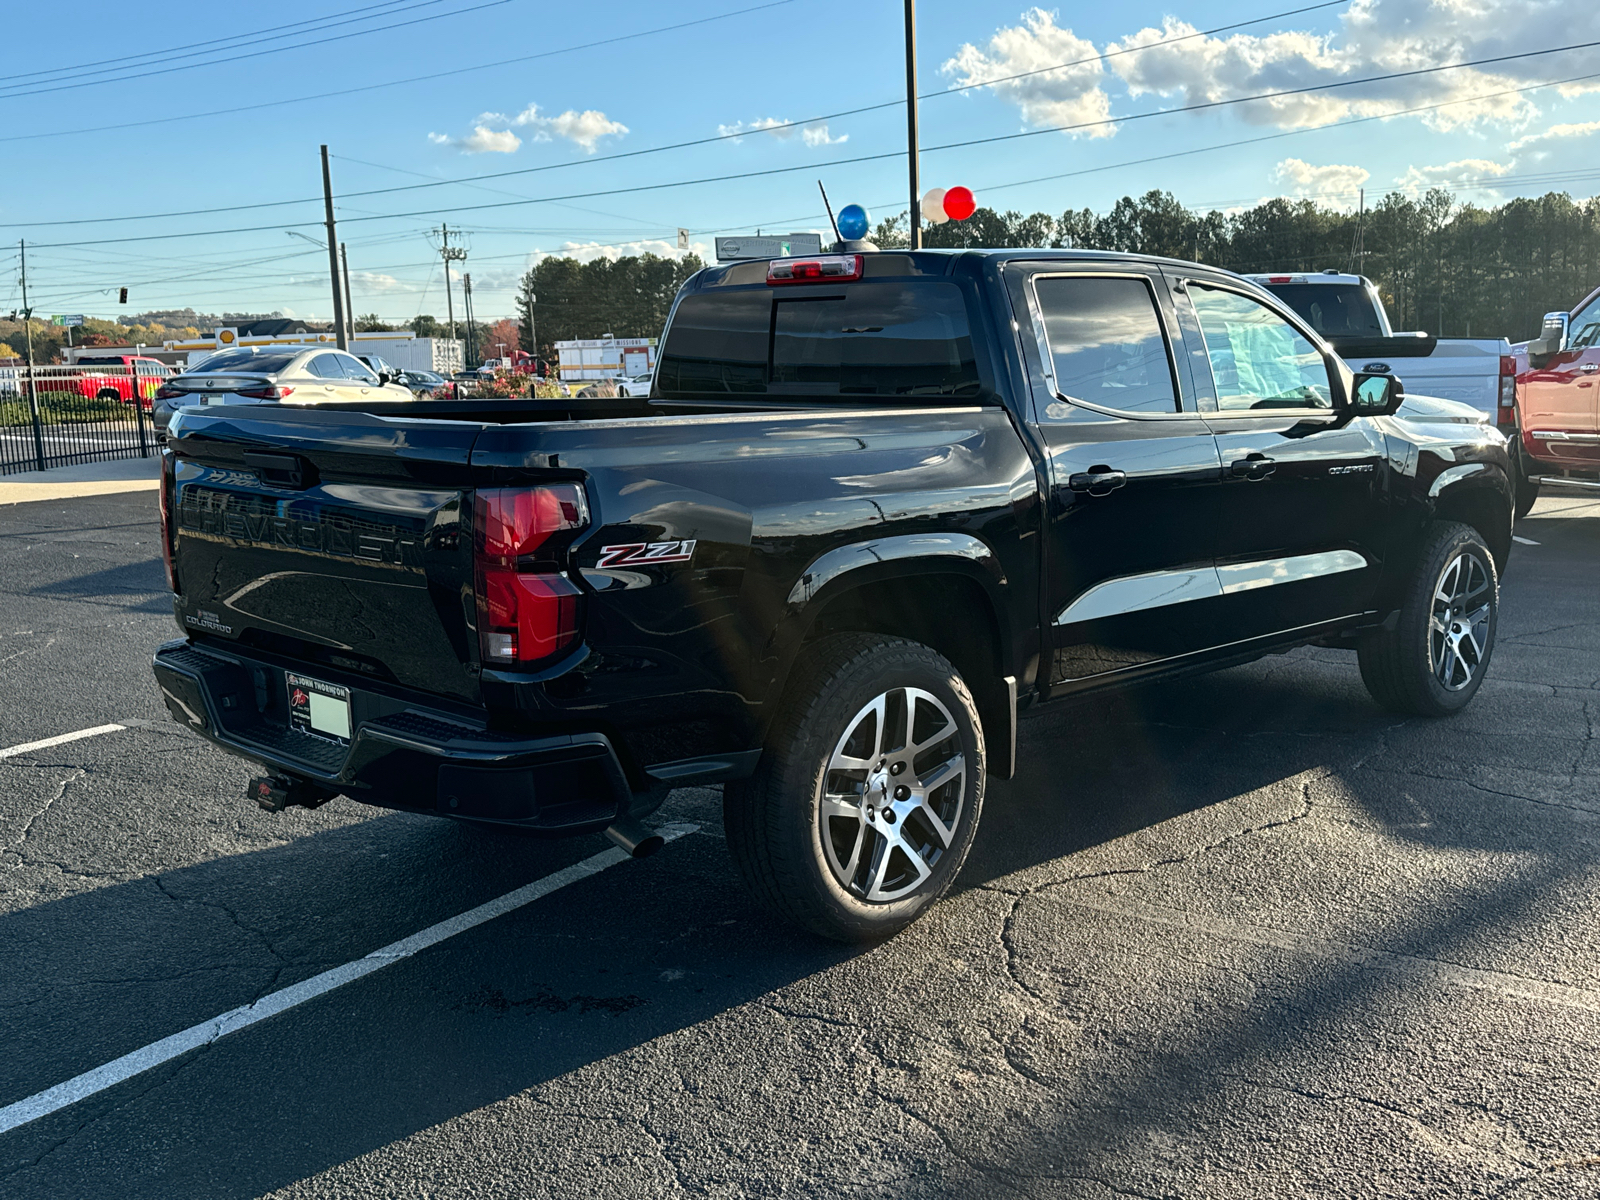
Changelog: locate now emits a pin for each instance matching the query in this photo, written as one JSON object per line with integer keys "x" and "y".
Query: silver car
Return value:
{"x": 276, "y": 375}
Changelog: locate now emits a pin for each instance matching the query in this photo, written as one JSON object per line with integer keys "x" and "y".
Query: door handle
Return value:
{"x": 1258, "y": 467}
{"x": 1097, "y": 481}
{"x": 1590, "y": 367}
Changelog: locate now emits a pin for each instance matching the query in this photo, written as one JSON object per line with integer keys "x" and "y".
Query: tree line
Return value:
{"x": 562, "y": 299}
{"x": 1455, "y": 270}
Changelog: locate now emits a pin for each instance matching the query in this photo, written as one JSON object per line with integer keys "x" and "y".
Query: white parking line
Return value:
{"x": 112, "y": 1073}
{"x": 1517, "y": 537}
{"x": 59, "y": 739}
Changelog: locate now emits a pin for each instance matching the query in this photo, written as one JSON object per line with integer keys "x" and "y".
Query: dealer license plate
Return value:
{"x": 320, "y": 709}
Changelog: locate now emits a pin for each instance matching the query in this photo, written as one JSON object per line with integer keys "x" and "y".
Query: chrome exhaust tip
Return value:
{"x": 638, "y": 840}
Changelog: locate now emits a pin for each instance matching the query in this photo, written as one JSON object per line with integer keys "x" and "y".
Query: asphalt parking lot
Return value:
{"x": 1247, "y": 936}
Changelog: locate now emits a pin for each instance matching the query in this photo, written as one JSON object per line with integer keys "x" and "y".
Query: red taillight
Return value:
{"x": 168, "y": 482}
{"x": 833, "y": 268}
{"x": 1280, "y": 278}
{"x": 266, "y": 392}
{"x": 167, "y": 392}
{"x": 1508, "y": 381}
{"x": 527, "y": 609}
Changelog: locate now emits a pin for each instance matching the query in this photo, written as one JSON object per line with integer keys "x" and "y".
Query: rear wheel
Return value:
{"x": 1434, "y": 660}
{"x": 868, "y": 796}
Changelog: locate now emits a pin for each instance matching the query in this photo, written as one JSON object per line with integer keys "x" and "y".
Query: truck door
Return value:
{"x": 1133, "y": 474}
{"x": 1562, "y": 397}
{"x": 1301, "y": 524}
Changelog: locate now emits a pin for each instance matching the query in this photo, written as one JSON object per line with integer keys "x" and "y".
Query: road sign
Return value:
{"x": 73, "y": 319}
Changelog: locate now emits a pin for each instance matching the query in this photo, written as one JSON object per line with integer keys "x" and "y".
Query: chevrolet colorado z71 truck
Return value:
{"x": 874, "y": 506}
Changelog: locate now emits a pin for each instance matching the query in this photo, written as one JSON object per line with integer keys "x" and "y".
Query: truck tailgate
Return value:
{"x": 330, "y": 537}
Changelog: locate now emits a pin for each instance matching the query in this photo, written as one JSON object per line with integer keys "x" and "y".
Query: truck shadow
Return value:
{"x": 602, "y": 968}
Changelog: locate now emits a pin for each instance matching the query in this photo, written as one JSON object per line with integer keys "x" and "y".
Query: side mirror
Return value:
{"x": 385, "y": 379}
{"x": 1377, "y": 396}
{"x": 1553, "y": 336}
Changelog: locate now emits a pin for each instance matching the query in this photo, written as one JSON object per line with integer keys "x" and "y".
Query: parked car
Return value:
{"x": 634, "y": 385}
{"x": 1347, "y": 310}
{"x": 1557, "y": 424}
{"x": 878, "y": 507}
{"x": 273, "y": 375}
{"x": 427, "y": 383}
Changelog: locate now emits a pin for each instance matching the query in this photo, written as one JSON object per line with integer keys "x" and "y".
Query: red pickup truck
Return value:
{"x": 1558, "y": 402}
{"x": 107, "y": 377}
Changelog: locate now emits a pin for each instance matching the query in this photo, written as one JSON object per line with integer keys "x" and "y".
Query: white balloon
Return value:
{"x": 933, "y": 207}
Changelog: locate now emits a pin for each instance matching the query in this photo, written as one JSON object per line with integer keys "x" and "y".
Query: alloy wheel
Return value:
{"x": 892, "y": 794}
{"x": 1458, "y": 628}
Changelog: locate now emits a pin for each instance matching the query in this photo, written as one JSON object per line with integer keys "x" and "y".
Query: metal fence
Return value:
{"x": 57, "y": 416}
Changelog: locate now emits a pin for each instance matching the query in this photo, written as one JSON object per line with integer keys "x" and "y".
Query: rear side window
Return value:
{"x": 1106, "y": 343}
{"x": 326, "y": 366}
{"x": 868, "y": 339}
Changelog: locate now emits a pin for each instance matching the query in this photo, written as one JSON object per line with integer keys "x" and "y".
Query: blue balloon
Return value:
{"x": 853, "y": 222}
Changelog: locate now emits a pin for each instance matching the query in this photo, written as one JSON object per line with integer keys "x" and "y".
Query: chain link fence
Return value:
{"x": 58, "y": 416}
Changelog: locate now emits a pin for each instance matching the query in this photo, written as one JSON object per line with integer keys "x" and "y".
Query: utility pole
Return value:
{"x": 911, "y": 122}
{"x": 333, "y": 255}
{"x": 1361, "y": 236}
{"x": 450, "y": 254}
{"x": 33, "y": 391}
{"x": 466, "y": 304}
{"x": 349, "y": 304}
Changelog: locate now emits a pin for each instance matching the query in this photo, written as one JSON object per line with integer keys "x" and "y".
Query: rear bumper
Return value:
{"x": 399, "y": 755}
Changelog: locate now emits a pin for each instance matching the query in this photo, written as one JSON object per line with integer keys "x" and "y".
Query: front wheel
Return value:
{"x": 1434, "y": 660}
{"x": 868, "y": 795}
{"x": 1527, "y": 488}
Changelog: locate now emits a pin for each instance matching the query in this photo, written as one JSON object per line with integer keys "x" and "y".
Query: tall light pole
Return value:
{"x": 333, "y": 255}
{"x": 911, "y": 122}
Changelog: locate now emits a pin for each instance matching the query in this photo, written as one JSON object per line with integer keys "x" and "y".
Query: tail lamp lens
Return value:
{"x": 167, "y": 499}
{"x": 1508, "y": 381}
{"x": 267, "y": 392}
{"x": 834, "y": 268}
{"x": 527, "y": 609}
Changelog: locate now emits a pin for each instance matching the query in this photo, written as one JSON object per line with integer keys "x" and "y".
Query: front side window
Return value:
{"x": 877, "y": 339}
{"x": 1585, "y": 328}
{"x": 326, "y": 366}
{"x": 1258, "y": 360}
{"x": 1106, "y": 343}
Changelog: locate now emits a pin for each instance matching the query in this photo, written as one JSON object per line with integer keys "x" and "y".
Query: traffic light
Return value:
{"x": 122, "y": 296}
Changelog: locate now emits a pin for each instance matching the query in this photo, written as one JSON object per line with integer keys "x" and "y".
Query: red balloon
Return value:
{"x": 959, "y": 204}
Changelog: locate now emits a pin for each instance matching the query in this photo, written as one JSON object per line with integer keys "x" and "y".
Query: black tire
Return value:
{"x": 1527, "y": 489}
{"x": 1422, "y": 666}
{"x": 793, "y": 858}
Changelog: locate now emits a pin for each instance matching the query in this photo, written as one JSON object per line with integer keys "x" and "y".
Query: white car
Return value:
{"x": 634, "y": 385}
{"x": 270, "y": 375}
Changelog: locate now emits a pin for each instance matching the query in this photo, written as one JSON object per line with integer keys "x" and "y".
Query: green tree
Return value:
{"x": 372, "y": 323}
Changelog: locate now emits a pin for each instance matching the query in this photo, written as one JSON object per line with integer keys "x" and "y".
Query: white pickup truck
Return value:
{"x": 1347, "y": 310}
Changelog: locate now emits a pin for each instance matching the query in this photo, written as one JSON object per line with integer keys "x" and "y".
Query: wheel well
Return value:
{"x": 107, "y": 394}
{"x": 1487, "y": 511}
{"x": 946, "y": 612}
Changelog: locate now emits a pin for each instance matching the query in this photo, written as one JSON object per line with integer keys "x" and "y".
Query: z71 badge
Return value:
{"x": 641, "y": 554}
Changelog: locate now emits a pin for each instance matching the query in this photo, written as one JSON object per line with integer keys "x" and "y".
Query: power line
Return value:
{"x": 478, "y": 179}
{"x": 163, "y": 70}
{"x": 172, "y": 52}
{"x": 372, "y": 87}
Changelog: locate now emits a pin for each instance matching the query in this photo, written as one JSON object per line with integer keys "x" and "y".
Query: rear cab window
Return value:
{"x": 902, "y": 339}
{"x": 1335, "y": 310}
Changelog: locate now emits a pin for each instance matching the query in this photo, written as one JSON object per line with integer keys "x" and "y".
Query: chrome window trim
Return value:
{"x": 1160, "y": 589}
{"x": 1048, "y": 362}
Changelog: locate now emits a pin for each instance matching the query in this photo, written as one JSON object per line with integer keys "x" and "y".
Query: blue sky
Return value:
{"x": 435, "y": 92}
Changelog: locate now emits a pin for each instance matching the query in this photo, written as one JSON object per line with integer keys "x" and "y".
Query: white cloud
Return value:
{"x": 582, "y": 128}
{"x": 1061, "y": 96}
{"x": 589, "y": 251}
{"x": 1417, "y": 180}
{"x": 814, "y": 134}
{"x": 1334, "y": 184}
{"x": 363, "y": 282}
{"x": 1376, "y": 37}
{"x": 482, "y": 140}
{"x": 492, "y": 133}
{"x": 1554, "y": 132}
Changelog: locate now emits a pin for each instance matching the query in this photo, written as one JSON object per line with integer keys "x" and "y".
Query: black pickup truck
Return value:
{"x": 874, "y": 507}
